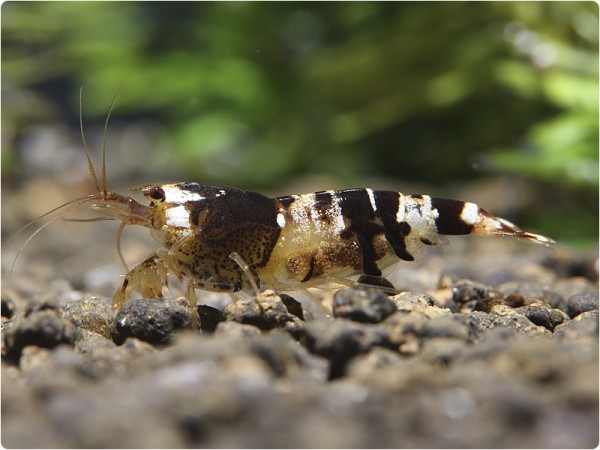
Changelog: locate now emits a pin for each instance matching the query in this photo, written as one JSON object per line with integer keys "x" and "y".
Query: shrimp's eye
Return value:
{"x": 157, "y": 193}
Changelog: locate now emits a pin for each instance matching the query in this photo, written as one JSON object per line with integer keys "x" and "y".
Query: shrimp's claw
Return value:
{"x": 148, "y": 276}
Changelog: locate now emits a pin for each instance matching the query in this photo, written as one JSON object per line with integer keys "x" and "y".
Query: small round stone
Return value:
{"x": 362, "y": 305}
{"x": 265, "y": 311}
{"x": 579, "y": 303}
{"x": 41, "y": 328}
{"x": 152, "y": 320}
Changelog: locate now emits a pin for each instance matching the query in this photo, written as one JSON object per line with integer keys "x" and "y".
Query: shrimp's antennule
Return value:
{"x": 104, "y": 187}
{"x": 87, "y": 153}
{"x": 110, "y": 109}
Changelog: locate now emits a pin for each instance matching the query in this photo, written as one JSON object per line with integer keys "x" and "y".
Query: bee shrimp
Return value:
{"x": 224, "y": 239}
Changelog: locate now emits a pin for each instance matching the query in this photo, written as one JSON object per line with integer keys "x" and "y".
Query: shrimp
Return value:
{"x": 225, "y": 239}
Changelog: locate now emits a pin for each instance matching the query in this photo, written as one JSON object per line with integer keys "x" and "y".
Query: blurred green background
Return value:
{"x": 260, "y": 94}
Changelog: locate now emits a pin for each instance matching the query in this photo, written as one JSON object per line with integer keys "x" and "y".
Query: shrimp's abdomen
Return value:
{"x": 337, "y": 234}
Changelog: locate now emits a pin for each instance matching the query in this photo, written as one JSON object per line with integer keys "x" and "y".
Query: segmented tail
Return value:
{"x": 497, "y": 226}
{"x": 457, "y": 217}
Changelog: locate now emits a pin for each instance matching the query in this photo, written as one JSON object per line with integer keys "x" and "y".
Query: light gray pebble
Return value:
{"x": 584, "y": 324}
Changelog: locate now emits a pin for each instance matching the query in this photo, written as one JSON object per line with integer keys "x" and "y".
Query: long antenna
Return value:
{"x": 87, "y": 153}
{"x": 104, "y": 186}
{"x": 119, "y": 232}
{"x": 66, "y": 206}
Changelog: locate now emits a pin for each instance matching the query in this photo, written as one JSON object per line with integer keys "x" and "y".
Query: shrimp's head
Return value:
{"x": 176, "y": 206}
{"x": 120, "y": 207}
{"x": 173, "y": 207}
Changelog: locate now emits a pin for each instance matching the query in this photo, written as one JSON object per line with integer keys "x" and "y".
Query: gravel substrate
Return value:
{"x": 502, "y": 358}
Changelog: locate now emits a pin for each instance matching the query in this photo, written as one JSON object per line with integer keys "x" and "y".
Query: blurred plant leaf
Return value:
{"x": 258, "y": 93}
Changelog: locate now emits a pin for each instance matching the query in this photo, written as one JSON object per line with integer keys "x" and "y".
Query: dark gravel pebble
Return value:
{"x": 362, "y": 305}
{"x": 566, "y": 264}
{"x": 540, "y": 291}
{"x": 287, "y": 358}
{"x": 266, "y": 312}
{"x": 429, "y": 372}
{"x": 378, "y": 358}
{"x": 236, "y": 329}
{"x": 579, "y": 303}
{"x": 478, "y": 323}
{"x": 506, "y": 317}
{"x": 292, "y": 305}
{"x": 514, "y": 300}
{"x": 43, "y": 303}
{"x": 543, "y": 315}
{"x": 445, "y": 326}
{"x": 8, "y": 307}
{"x": 154, "y": 320}
{"x": 464, "y": 291}
{"x": 338, "y": 341}
{"x": 41, "y": 328}
{"x": 442, "y": 350}
{"x": 209, "y": 318}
